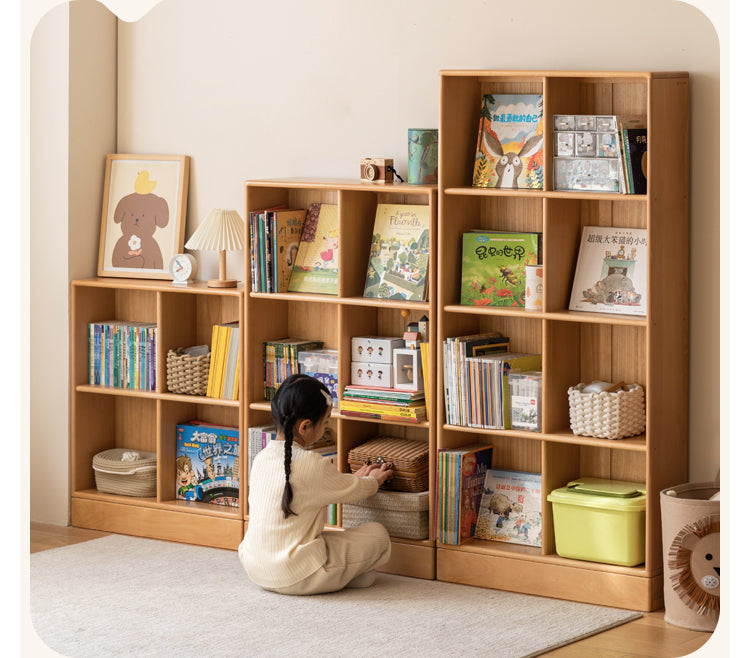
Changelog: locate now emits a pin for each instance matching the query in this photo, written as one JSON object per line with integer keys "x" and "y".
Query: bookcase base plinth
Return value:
{"x": 600, "y": 587}
{"x": 415, "y": 560}
{"x": 155, "y": 523}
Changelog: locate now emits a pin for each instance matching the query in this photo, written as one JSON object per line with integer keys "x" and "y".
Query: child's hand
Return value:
{"x": 381, "y": 473}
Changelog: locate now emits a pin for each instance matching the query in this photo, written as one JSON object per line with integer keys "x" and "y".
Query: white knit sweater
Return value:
{"x": 277, "y": 552}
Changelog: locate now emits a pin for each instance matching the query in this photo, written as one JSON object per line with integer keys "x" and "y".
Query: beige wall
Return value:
{"x": 257, "y": 89}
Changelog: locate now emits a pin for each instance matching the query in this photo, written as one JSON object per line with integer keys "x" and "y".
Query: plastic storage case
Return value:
{"x": 600, "y": 521}
{"x": 322, "y": 365}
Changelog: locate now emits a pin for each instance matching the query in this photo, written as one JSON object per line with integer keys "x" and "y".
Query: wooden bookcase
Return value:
{"x": 575, "y": 346}
{"x": 335, "y": 319}
{"x": 109, "y": 417}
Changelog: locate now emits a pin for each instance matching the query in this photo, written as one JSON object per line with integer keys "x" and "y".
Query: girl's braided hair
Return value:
{"x": 300, "y": 397}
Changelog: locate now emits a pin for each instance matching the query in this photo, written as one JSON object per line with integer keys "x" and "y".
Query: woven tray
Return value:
{"x": 607, "y": 415}
{"x": 410, "y": 460}
{"x": 404, "y": 514}
{"x": 126, "y": 478}
{"x": 187, "y": 374}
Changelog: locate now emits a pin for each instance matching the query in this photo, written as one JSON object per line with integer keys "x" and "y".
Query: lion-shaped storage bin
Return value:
{"x": 606, "y": 415}
{"x": 125, "y": 472}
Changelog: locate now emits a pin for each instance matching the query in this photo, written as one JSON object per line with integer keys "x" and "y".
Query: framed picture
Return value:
{"x": 143, "y": 214}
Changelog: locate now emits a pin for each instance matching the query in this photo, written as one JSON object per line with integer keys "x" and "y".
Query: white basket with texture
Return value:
{"x": 607, "y": 415}
{"x": 125, "y": 472}
{"x": 403, "y": 513}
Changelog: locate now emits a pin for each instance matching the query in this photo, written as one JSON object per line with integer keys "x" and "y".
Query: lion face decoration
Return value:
{"x": 694, "y": 562}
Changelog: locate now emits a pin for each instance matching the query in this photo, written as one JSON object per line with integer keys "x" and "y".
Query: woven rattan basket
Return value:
{"x": 410, "y": 460}
{"x": 403, "y": 513}
{"x": 187, "y": 374}
{"x": 607, "y": 415}
{"x": 126, "y": 477}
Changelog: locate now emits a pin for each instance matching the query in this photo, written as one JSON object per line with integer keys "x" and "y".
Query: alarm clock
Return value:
{"x": 182, "y": 269}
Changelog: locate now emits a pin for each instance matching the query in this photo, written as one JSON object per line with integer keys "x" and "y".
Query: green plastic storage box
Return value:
{"x": 600, "y": 521}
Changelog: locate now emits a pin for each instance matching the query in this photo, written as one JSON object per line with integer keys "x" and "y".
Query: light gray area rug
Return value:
{"x": 126, "y": 596}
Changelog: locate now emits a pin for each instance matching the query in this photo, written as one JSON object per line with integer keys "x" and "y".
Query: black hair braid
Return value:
{"x": 300, "y": 397}
{"x": 288, "y": 496}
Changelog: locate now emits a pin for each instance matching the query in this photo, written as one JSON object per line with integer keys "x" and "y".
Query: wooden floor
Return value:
{"x": 649, "y": 636}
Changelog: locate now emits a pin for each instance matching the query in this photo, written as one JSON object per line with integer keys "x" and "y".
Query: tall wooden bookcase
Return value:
{"x": 575, "y": 346}
{"x": 335, "y": 319}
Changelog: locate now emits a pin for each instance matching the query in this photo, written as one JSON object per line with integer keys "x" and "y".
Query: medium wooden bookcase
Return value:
{"x": 575, "y": 346}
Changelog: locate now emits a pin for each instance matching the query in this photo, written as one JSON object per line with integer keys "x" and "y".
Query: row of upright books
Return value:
{"x": 122, "y": 354}
{"x": 223, "y": 371}
{"x": 475, "y": 377}
{"x": 476, "y": 501}
{"x": 297, "y": 250}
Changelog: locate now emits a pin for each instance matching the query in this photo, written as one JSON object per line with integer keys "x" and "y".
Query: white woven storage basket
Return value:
{"x": 607, "y": 415}
{"x": 134, "y": 477}
{"x": 403, "y": 513}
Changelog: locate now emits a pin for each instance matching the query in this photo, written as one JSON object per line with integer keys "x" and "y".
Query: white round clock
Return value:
{"x": 182, "y": 268}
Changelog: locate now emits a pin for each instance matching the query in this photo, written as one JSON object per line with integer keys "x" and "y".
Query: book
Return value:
{"x": 399, "y": 253}
{"x": 223, "y": 366}
{"x": 207, "y": 464}
{"x": 122, "y": 354}
{"x": 230, "y": 384}
{"x": 258, "y": 437}
{"x": 286, "y": 229}
{"x": 510, "y": 509}
{"x": 510, "y": 144}
{"x": 493, "y": 267}
{"x": 611, "y": 273}
{"x": 316, "y": 266}
{"x": 257, "y": 242}
{"x": 636, "y": 149}
{"x": 462, "y": 474}
{"x": 424, "y": 349}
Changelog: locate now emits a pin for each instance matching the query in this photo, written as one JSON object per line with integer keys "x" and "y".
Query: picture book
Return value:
{"x": 611, "y": 275}
{"x": 399, "y": 253}
{"x": 286, "y": 230}
{"x": 511, "y": 508}
{"x": 316, "y": 267}
{"x": 510, "y": 144}
{"x": 207, "y": 463}
{"x": 461, "y": 478}
{"x": 493, "y": 267}
{"x": 635, "y": 144}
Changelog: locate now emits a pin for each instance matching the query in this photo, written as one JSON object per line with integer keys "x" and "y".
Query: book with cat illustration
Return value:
{"x": 316, "y": 267}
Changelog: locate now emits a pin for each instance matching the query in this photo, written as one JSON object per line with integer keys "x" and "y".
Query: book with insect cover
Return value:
{"x": 493, "y": 267}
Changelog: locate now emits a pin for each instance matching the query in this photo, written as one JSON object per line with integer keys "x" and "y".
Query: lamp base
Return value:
{"x": 222, "y": 283}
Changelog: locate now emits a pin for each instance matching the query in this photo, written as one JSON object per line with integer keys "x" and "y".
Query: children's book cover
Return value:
{"x": 208, "y": 468}
{"x": 316, "y": 267}
{"x": 399, "y": 253}
{"x": 493, "y": 267}
{"x": 636, "y": 145}
{"x": 286, "y": 229}
{"x": 511, "y": 508}
{"x": 611, "y": 274}
{"x": 510, "y": 145}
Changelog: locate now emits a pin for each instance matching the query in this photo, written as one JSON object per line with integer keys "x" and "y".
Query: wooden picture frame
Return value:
{"x": 143, "y": 214}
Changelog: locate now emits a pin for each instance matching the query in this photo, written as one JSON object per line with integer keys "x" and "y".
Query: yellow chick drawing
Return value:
{"x": 142, "y": 184}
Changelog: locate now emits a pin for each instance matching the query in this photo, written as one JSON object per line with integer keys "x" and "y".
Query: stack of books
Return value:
{"x": 223, "y": 382}
{"x": 384, "y": 404}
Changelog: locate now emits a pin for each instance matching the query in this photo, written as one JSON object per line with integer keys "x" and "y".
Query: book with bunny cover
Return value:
{"x": 316, "y": 267}
{"x": 399, "y": 253}
{"x": 510, "y": 145}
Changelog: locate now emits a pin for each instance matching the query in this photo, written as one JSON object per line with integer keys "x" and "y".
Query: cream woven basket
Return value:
{"x": 187, "y": 374}
{"x": 607, "y": 415}
{"x": 404, "y": 514}
{"x": 134, "y": 477}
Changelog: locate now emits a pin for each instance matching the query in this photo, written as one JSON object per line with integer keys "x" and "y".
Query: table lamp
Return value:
{"x": 220, "y": 231}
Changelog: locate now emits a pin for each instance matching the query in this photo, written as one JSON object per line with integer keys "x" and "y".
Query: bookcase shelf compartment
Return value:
{"x": 575, "y": 346}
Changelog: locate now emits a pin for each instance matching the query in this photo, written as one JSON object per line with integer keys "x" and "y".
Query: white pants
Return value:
{"x": 351, "y": 553}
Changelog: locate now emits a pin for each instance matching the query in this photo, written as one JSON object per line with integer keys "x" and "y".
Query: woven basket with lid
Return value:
{"x": 410, "y": 460}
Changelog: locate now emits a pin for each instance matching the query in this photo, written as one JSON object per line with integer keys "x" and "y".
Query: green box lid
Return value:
{"x": 602, "y": 493}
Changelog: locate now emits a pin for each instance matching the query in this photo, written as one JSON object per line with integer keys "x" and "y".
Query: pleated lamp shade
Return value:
{"x": 222, "y": 231}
